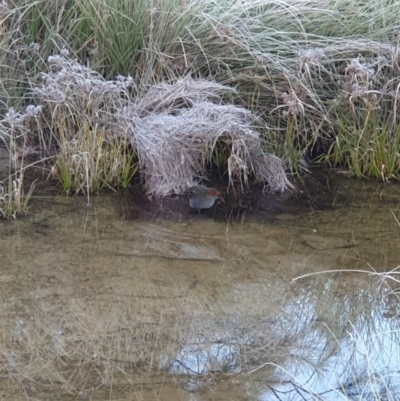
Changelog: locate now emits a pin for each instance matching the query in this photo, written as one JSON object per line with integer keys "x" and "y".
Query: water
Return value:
{"x": 131, "y": 299}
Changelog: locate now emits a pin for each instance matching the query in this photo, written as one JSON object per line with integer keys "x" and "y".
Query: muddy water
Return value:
{"x": 137, "y": 300}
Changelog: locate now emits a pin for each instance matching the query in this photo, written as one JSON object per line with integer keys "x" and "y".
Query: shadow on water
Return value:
{"x": 279, "y": 299}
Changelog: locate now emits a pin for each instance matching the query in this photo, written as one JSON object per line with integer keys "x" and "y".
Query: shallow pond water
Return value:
{"x": 282, "y": 299}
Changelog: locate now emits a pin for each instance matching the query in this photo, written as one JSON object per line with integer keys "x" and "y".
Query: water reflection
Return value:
{"x": 353, "y": 352}
{"x": 188, "y": 307}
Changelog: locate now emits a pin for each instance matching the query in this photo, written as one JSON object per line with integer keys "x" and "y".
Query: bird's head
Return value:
{"x": 216, "y": 194}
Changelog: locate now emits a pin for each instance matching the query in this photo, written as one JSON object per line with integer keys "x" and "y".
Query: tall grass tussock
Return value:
{"x": 310, "y": 79}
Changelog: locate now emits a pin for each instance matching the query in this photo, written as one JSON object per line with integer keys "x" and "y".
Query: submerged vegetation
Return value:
{"x": 103, "y": 89}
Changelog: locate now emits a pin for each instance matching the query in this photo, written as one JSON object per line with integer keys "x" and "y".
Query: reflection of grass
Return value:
{"x": 73, "y": 351}
{"x": 345, "y": 346}
{"x": 79, "y": 353}
{"x": 87, "y": 353}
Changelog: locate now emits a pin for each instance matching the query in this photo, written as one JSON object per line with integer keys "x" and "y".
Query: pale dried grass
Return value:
{"x": 173, "y": 129}
{"x": 176, "y": 127}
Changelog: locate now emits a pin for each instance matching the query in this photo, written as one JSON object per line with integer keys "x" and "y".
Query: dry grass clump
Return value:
{"x": 80, "y": 103}
{"x": 77, "y": 106}
{"x": 98, "y": 129}
{"x": 176, "y": 127}
{"x": 13, "y": 200}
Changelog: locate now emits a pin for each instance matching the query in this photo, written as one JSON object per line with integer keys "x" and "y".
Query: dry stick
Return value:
{"x": 370, "y": 273}
{"x": 334, "y": 271}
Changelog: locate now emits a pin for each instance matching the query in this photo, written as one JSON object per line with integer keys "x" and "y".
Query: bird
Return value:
{"x": 201, "y": 197}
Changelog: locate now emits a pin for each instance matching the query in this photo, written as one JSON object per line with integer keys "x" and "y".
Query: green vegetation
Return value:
{"x": 12, "y": 198}
{"x": 322, "y": 79}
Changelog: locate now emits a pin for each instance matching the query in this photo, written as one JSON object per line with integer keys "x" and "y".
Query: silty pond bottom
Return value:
{"x": 284, "y": 299}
